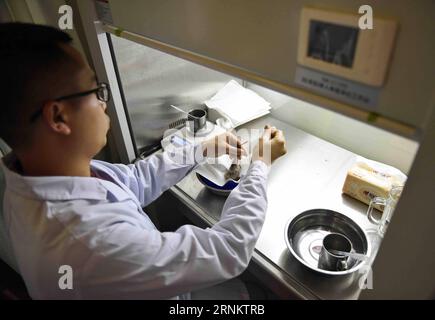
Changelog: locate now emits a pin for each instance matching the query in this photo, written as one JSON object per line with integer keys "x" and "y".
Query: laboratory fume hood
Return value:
{"x": 367, "y": 90}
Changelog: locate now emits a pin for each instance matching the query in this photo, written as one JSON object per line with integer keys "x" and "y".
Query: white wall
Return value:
{"x": 358, "y": 137}
{"x": 5, "y": 15}
{"x": 405, "y": 265}
{"x": 262, "y": 37}
{"x": 41, "y": 12}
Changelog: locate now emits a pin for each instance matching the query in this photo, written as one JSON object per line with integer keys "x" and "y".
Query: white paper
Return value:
{"x": 239, "y": 104}
{"x": 215, "y": 169}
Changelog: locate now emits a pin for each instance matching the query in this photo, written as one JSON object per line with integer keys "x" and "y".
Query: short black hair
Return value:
{"x": 30, "y": 56}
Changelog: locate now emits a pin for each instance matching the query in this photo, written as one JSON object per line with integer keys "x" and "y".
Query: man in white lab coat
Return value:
{"x": 68, "y": 213}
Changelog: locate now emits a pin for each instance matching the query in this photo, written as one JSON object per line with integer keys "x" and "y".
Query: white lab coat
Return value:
{"x": 98, "y": 228}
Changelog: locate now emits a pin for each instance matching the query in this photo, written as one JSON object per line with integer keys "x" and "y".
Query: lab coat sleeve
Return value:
{"x": 132, "y": 263}
{"x": 149, "y": 178}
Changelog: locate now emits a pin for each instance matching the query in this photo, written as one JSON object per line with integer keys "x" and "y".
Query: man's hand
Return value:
{"x": 270, "y": 146}
{"x": 225, "y": 143}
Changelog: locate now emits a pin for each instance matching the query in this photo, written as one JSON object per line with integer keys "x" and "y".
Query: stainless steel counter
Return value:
{"x": 309, "y": 176}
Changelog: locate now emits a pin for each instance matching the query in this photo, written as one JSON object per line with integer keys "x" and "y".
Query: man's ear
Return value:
{"x": 55, "y": 115}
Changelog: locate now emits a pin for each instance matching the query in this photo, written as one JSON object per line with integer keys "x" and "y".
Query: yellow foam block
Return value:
{"x": 364, "y": 183}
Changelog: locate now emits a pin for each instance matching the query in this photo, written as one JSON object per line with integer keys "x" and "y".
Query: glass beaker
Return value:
{"x": 389, "y": 205}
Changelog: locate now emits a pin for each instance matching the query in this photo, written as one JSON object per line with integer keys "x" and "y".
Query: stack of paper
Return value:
{"x": 238, "y": 104}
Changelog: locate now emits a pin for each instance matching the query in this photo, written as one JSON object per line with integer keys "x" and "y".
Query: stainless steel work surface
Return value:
{"x": 309, "y": 176}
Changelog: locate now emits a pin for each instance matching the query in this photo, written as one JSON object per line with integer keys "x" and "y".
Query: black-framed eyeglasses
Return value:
{"x": 102, "y": 91}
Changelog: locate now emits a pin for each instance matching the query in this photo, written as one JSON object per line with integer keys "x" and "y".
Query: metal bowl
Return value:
{"x": 305, "y": 232}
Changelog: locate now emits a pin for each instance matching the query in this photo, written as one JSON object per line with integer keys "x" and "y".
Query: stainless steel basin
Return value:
{"x": 305, "y": 232}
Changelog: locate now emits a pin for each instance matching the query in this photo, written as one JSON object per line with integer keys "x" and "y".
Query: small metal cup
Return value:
{"x": 197, "y": 119}
{"x": 330, "y": 261}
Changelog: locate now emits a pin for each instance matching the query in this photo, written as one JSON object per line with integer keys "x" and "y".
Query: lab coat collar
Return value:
{"x": 51, "y": 188}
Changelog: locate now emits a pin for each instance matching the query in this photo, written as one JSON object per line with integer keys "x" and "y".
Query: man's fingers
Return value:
{"x": 233, "y": 139}
{"x": 227, "y": 144}
{"x": 273, "y": 132}
{"x": 243, "y": 151}
{"x": 240, "y": 145}
{"x": 267, "y": 134}
{"x": 278, "y": 135}
{"x": 260, "y": 146}
{"x": 236, "y": 152}
{"x": 216, "y": 146}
